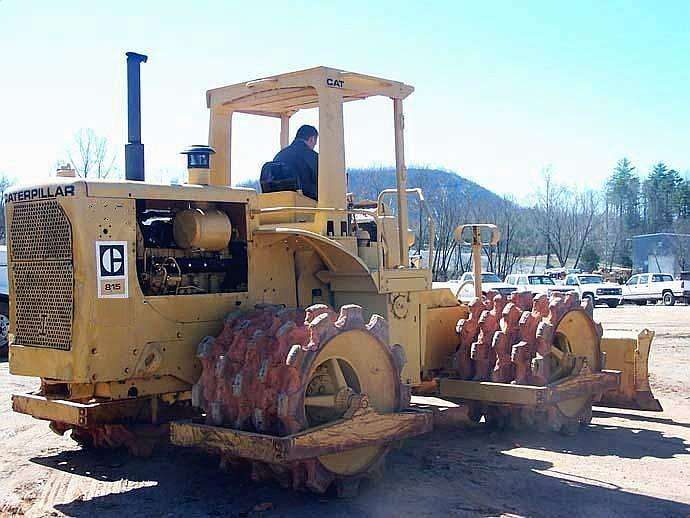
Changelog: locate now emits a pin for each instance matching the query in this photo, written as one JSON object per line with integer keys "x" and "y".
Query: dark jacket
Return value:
{"x": 305, "y": 163}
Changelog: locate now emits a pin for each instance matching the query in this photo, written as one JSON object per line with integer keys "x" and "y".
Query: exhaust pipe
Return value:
{"x": 134, "y": 150}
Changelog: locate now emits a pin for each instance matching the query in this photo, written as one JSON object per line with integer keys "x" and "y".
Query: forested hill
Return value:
{"x": 368, "y": 183}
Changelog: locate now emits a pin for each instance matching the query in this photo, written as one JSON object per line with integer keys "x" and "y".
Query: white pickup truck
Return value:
{"x": 592, "y": 286}
{"x": 654, "y": 287}
{"x": 464, "y": 287}
{"x": 535, "y": 283}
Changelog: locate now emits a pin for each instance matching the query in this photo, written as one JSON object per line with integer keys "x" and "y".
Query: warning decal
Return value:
{"x": 111, "y": 266}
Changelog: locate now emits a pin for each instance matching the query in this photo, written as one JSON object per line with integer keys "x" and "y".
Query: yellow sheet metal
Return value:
{"x": 628, "y": 352}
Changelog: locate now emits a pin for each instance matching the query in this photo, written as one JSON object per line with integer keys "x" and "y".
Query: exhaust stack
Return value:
{"x": 134, "y": 150}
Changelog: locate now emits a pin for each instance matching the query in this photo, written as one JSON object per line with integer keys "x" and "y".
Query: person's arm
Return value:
{"x": 313, "y": 164}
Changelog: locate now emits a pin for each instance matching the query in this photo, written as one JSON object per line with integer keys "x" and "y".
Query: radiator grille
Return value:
{"x": 608, "y": 291}
{"x": 42, "y": 275}
{"x": 40, "y": 230}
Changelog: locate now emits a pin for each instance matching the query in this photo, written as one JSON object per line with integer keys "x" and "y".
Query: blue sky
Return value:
{"x": 502, "y": 90}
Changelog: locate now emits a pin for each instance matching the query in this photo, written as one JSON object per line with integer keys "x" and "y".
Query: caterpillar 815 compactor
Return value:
{"x": 273, "y": 328}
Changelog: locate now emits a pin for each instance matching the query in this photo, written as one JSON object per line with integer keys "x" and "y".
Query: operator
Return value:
{"x": 303, "y": 160}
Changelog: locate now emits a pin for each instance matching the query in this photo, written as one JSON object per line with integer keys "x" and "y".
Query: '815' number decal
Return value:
{"x": 112, "y": 269}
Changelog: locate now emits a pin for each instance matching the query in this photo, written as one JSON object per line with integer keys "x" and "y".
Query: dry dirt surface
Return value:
{"x": 626, "y": 463}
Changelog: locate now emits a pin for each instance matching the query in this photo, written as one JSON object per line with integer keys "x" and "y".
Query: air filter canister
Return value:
{"x": 202, "y": 229}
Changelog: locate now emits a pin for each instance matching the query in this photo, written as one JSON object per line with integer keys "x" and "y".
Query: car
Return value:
{"x": 592, "y": 286}
{"x": 453, "y": 285}
{"x": 490, "y": 282}
{"x": 536, "y": 283}
{"x": 559, "y": 274}
{"x": 653, "y": 287}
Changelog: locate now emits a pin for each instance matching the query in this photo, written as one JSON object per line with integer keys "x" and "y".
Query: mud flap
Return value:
{"x": 628, "y": 352}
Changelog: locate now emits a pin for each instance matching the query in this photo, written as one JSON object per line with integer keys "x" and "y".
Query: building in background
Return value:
{"x": 663, "y": 252}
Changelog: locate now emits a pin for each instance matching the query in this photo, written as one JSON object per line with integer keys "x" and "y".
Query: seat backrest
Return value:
{"x": 279, "y": 176}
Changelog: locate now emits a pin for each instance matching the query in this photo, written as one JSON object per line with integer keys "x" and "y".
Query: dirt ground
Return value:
{"x": 626, "y": 463}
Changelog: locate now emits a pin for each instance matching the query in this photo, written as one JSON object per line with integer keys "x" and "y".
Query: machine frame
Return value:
{"x": 138, "y": 364}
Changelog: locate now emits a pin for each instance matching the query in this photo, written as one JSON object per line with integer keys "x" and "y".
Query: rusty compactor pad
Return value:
{"x": 279, "y": 372}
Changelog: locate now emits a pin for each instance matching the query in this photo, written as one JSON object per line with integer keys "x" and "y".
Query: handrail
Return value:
{"x": 268, "y": 210}
{"x": 423, "y": 204}
{"x": 368, "y": 212}
{"x": 477, "y": 245}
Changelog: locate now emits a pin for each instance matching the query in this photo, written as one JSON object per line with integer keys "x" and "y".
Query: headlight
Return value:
{"x": 599, "y": 291}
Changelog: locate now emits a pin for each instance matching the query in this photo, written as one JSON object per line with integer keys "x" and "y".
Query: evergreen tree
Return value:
{"x": 623, "y": 209}
{"x": 590, "y": 259}
{"x": 663, "y": 195}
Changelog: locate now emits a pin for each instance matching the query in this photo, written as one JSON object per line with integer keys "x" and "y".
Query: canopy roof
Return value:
{"x": 284, "y": 94}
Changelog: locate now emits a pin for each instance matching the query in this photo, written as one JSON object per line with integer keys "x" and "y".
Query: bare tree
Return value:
{"x": 5, "y": 182}
{"x": 547, "y": 198}
{"x": 507, "y": 251}
{"x": 571, "y": 224}
{"x": 448, "y": 213}
{"x": 518, "y": 236}
{"x": 90, "y": 155}
{"x": 588, "y": 203}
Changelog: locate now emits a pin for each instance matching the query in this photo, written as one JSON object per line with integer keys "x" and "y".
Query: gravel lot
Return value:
{"x": 626, "y": 463}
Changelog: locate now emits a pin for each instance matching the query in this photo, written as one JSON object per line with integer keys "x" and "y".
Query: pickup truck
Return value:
{"x": 463, "y": 288}
{"x": 592, "y": 286}
{"x": 535, "y": 283}
{"x": 653, "y": 287}
{"x": 490, "y": 282}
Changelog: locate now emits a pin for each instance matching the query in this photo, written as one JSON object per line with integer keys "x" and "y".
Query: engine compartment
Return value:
{"x": 175, "y": 256}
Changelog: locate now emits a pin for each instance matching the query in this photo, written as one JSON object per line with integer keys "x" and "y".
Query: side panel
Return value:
{"x": 272, "y": 274}
{"x": 401, "y": 311}
{"x": 406, "y": 329}
{"x": 441, "y": 339}
{"x": 143, "y": 340}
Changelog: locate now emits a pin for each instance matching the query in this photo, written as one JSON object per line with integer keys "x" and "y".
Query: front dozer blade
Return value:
{"x": 628, "y": 352}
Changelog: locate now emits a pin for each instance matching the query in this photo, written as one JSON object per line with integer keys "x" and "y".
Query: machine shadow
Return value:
{"x": 174, "y": 482}
{"x": 445, "y": 472}
{"x": 638, "y": 417}
{"x": 605, "y": 440}
{"x": 99, "y": 464}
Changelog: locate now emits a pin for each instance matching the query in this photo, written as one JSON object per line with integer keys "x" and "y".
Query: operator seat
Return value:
{"x": 279, "y": 176}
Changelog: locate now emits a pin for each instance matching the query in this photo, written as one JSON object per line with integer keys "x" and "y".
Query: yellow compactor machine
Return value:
{"x": 271, "y": 327}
